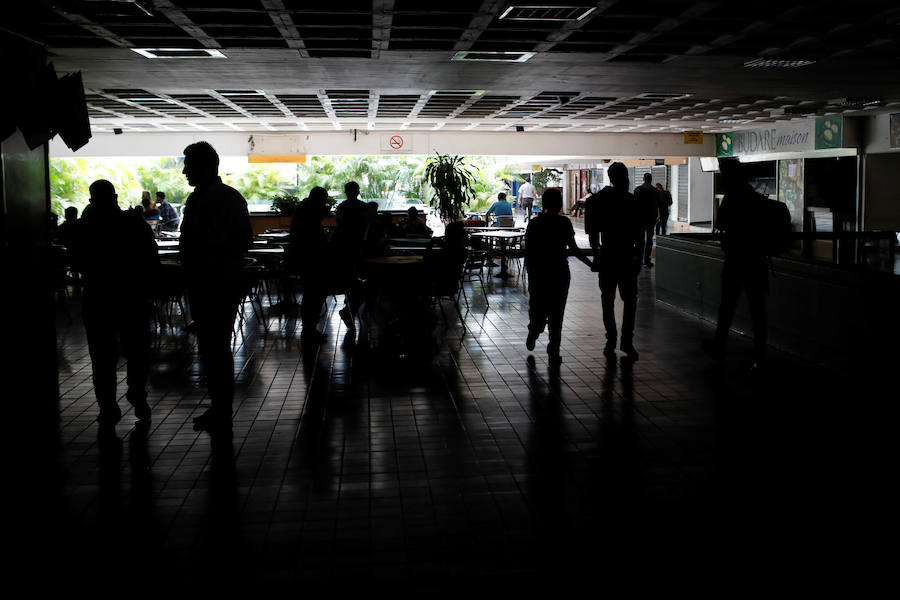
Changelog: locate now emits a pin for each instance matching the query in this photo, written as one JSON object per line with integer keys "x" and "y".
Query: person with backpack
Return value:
{"x": 751, "y": 227}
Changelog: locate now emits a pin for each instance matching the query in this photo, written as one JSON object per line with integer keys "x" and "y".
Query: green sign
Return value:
{"x": 828, "y": 132}
{"x": 725, "y": 144}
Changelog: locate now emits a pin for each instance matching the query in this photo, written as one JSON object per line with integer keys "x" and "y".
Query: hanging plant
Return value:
{"x": 453, "y": 182}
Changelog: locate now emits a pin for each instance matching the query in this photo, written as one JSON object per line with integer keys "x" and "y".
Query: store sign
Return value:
{"x": 820, "y": 134}
{"x": 693, "y": 137}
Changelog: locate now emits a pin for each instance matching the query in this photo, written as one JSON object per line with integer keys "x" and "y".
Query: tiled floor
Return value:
{"x": 470, "y": 470}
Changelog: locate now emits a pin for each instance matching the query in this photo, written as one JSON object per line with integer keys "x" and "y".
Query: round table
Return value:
{"x": 504, "y": 235}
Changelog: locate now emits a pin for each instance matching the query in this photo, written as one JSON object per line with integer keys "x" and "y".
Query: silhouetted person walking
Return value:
{"x": 548, "y": 240}
{"x": 215, "y": 235}
{"x": 664, "y": 200}
{"x": 647, "y": 198}
{"x": 347, "y": 241}
{"x": 613, "y": 222}
{"x": 117, "y": 256}
{"x": 310, "y": 258}
{"x": 738, "y": 220}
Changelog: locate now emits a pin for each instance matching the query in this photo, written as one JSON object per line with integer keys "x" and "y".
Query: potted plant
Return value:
{"x": 285, "y": 204}
{"x": 453, "y": 182}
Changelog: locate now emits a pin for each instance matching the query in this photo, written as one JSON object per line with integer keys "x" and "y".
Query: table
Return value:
{"x": 504, "y": 236}
{"x": 167, "y": 243}
{"x": 168, "y": 252}
{"x": 275, "y": 234}
{"x": 266, "y": 251}
{"x": 494, "y": 228}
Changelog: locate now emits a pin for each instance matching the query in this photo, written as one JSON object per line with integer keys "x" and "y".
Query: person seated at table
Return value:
{"x": 375, "y": 238}
{"x": 412, "y": 226}
{"x": 547, "y": 240}
{"x": 502, "y": 211}
{"x": 151, "y": 212}
{"x": 168, "y": 216}
{"x": 308, "y": 256}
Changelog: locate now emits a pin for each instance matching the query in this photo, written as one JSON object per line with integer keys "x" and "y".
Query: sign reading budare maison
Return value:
{"x": 811, "y": 135}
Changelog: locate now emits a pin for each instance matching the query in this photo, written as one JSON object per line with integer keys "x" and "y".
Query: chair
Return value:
{"x": 254, "y": 280}
{"x": 504, "y": 221}
{"x": 473, "y": 270}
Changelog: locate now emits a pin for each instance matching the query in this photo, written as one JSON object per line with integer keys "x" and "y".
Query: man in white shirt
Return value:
{"x": 527, "y": 194}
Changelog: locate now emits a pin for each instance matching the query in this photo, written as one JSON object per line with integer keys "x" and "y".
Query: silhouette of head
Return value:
{"x": 501, "y": 196}
{"x": 103, "y": 194}
{"x": 71, "y": 213}
{"x": 618, "y": 174}
{"x": 201, "y": 164}
{"x": 351, "y": 188}
{"x": 527, "y": 178}
{"x": 733, "y": 176}
{"x": 145, "y": 199}
{"x": 160, "y": 196}
{"x": 659, "y": 186}
{"x": 319, "y": 196}
{"x": 412, "y": 213}
{"x": 371, "y": 211}
{"x": 455, "y": 235}
{"x": 552, "y": 201}
{"x": 648, "y": 178}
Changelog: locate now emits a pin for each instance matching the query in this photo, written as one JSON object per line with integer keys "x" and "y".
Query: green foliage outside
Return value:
{"x": 378, "y": 177}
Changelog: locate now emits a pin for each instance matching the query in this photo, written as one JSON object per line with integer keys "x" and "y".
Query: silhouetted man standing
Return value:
{"x": 615, "y": 228}
{"x": 647, "y": 198}
{"x": 117, "y": 256}
{"x": 745, "y": 266}
{"x": 350, "y": 220}
{"x": 548, "y": 240}
{"x": 665, "y": 206}
{"x": 215, "y": 235}
{"x": 310, "y": 257}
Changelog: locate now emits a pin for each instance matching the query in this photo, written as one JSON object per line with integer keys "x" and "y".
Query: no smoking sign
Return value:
{"x": 396, "y": 144}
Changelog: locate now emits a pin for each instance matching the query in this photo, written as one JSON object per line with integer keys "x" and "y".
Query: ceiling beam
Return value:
{"x": 99, "y": 31}
{"x": 480, "y": 21}
{"x": 571, "y": 27}
{"x": 177, "y": 16}
{"x": 230, "y": 104}
{"x": 698, "y": 9}
{"x": 382, "y": 19}
{"x": 285, "y": 25}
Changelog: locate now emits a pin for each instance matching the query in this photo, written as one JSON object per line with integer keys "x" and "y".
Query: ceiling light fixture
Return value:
{"x": 179, "y": 52}
{"x": 778, "y": 63}
{"x": 485, "y": 56}
{"x": 544, "y": 12}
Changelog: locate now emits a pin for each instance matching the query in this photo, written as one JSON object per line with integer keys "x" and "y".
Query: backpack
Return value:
{"x": 775, "y": 230}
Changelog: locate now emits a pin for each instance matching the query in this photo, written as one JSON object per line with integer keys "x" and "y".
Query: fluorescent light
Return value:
{"x": 778, "y": 63}
{"x": 179, "y": 53}
{"x": 490, "y": 56}
{"x": 507, "y": 11}
{"x": 589, "y": 11}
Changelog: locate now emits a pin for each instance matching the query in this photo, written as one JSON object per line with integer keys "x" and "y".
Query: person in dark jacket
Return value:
{"x": 647, "y": 199}
{"x": 745, "y": 260}
{"x": 665, "y": 206}
{"x": 116, "y": 254}
{"x": 215, "y": 236}
{"x": 310, "y": 258}
{"x": 548, "y": 241}
{"x": 615, "y": 227}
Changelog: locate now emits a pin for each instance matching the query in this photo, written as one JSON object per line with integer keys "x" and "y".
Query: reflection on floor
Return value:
{"x": 476, "y": 469}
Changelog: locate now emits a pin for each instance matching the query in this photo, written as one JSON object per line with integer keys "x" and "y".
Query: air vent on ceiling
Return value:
{"x": 179, "y": 53}
{"x": 771, "y": 63}
{"x": 468, "y": 55}
{"x": 540, "y": 12}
